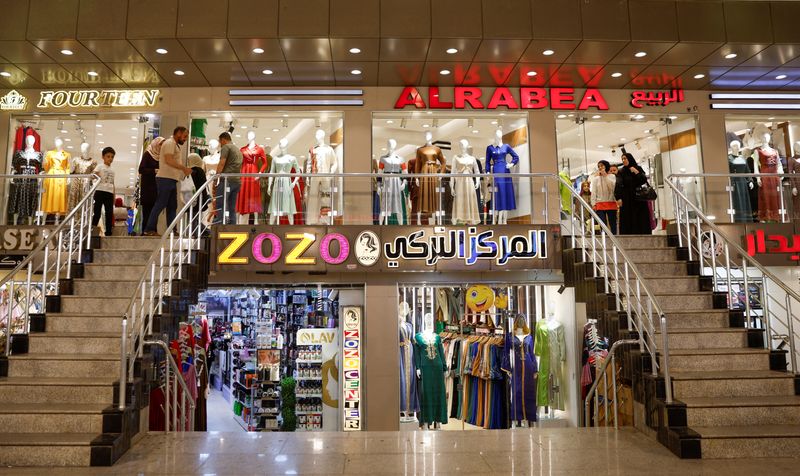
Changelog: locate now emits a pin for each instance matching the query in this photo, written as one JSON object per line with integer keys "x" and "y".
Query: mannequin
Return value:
{"x": 519, "y": 362}
{"x": 496, "y": 163}
{"x": 25, "y": 192}
{"x": 793, "y": 167}
{"x": 392, "y": 188}
{"x": 56, "y": 162}
{"x": 429, "y": 160}
{"x": 737, "y": 164}
{"x": 212, "y": 159}
{"x": 254, "y": 160}
{"x": 409, "y": 400}
{"x": 690, "y": 188}
{"x": 430, "y": 367}
{"x": 465, "y": 205}
{"x": 80, "y": 165}
{"x": 322, "y": 159}
{"x": 281, "y": 189}
{"x": 766, "y": 161}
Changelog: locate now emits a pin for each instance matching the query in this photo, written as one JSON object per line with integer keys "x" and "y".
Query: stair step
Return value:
{"x": 113, "y": 272}
{"x": 671, "y": 284}
{"x": 74, "y": 343}
{"x": 655, "y": 269}
{"x": 83, "y": 323}
{"x": 52, "y": 417}
{"x": 129, "y": 243}
{"x": 705, "y": 338}
{"x": 651, "y": 254}
{"x": 742, "y": 383}
{"x": 57, "y": 390}
{"x": 749, "y": 441}
{"x": 104, "y": 288}
{"x": 46, "y": 449}
{"x": 713, "y": 359}
{"x": 710, "y": 318}
{"x": 685, "y": 301}
{"x": 54, "y": 365}
{"x": 82, "y": 305}
{"x": 102, "y": 256}
{"x": 758, "y": 410}
{"x": 642, "y": 241}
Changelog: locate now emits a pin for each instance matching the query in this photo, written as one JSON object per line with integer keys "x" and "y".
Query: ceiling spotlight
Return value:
{"x": 638, "y": 116}
{"x": 673, "y": 117}
{"x": 64, "y": 131}
{"x": 426, "y": 125}
{"x": 134, "y": 128}
{"x": 451, "y": 51}
{"x": 100, "y": 142}
{"x": 266, "y": 71}
{"x": 70, "y": 147}
{"x": 596, "y": 116}
{"x": 622, "y": 139}
{"x": 179, "y": 72}
{"x": 494, "y": 123}
{"x": 444, "y": 72}
{"x": 258, "y": 51}
{"x": 548, "y": 52}
{"x": 475, "y": 131}
{"x": 133, "y": 137}
{"x": 66, "y": 52}
{"x": 390, "y": 121}
{"x": 355, "y": 51}
{"x": 599, "y": 146}
{"x": 616, "y": 74}
{"x": 99, "y": 125}
{"x": 73, "y": 115}
{"x": 243, "y": 127}
{"x": 640, "y": 54}
{"x": 276, "y": 130}
{"x": 161, "y": 51}
{"x": 699, "y": 76}
{"x": 93, "y": 73}
{"x": 780, "y": 76}
{"x": 562, "y": 116}
{"x": 531, "y": 73}
{"x": 355, "y": 72}
{"x": 731, "y": 56}
{"x": 68, "y": 139}
{"x": 133, "y": 145}
{"x": 5, "y": 74}
{"x": 100, "y": 134}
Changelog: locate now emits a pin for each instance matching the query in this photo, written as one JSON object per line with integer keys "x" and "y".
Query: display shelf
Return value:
{"x": 308, "y": 413}
{"x": 308, "y": 379}
{"x": 313, "y": 395}
{"x": 309, "y": 361}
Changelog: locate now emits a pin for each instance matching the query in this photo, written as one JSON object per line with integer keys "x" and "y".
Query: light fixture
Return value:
{"x": 444, "y": 72}
{"x": 638, "y": 117}
{"x": 179, "y": 72}
{"x": 68, "y": 139}
{"x": 780, "y": 76}
{"x": 451, "y": 51}
{"x": 673, "y": 117}
{"x": 93, "y": 73}
{"x": 562, "y": 116}
{"x": 276, "y": 130}
{"x": 647, "y": 131}
{"x": 426, "y": 125}
{"x": 66, "y": 52}
{"x": 70, "y": 147}
{"x": 134, "y": 128}
{"x": 596, "y": 116}
{"x": 548, "y": 52}
{"x": 390, "y": 121}
{"x": 622, "y": 139}
{"x": 770, "y": 118}
{"x": 267, "y": 72}
{"x": 238, "y": 135}
{"x": 531, "y": 73}
{"x": 268, "y": 138}
{"x": 100, "y": 134}
{"x": 99, "y": 125}
{"x": 616, "y": 74}
{"x": 64, "y": 131}
{"x": 599, "y": 146}
{"x": 100, "y": 142}
{"x": 699, "y": 76}
{"x": 258, "y": 51}
{"x": 731, "y": 56}
{"x": 161, "y": 51}
{"x": 355, "y": 72}
{"x": 475, "y": 131}
{"x": 133, "y": 137}
{"x": 355, "y": 51}
{"x": 494, "y": 123}
{"x": 73, "y": 115}
{"x": 5, "y": 74}
{"x": 242, "y": 127}
{"x": 640, "y": 54}
{"x": 133, "y": 145}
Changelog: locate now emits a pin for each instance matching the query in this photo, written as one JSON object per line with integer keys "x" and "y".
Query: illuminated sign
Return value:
{"x": 351, "y": 390}
{"x": 13, "y": 101}
{"x": 315, "y": 336}
{"x": 98, "y": 98}
{"x": 656, "y": 98}
{"x": 757, "y": 244}
{"x": 525, "y": 98}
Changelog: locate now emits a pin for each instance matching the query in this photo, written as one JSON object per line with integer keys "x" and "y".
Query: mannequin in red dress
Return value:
{"x": 254, "y": 160}
{"x": 768, "y": 162}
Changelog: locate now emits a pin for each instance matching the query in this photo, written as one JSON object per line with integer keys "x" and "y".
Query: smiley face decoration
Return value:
{"x": 480, "y": 298}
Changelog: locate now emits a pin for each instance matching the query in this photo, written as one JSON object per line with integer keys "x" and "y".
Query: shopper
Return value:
{"x": 148, "y": 168}
{"x": 634, "y": 215}
{"x": 230, "y": 162}
{"x": 198, "y": 180}
{"x": 104, "y": 194}
{"x": 603, "y": 201}
{"x": 170, "y": 171}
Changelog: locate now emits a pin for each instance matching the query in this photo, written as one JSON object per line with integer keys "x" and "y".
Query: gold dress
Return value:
{"x": 430, "y": 160}
{"x": 54, "y": 199}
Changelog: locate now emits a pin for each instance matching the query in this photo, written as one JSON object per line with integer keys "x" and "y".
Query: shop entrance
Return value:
{"x": 272, "y": 357}
{"x": 487, "y": 356}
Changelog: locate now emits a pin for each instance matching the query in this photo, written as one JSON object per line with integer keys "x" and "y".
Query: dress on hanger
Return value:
{"x": 429, "y": 359}
{"x": 742, "y": 212}
{"x": 282, "y": 200}
{"x": 521, "y": 368}
{"x": 542, "y": 350}
{"x": 793, "y": 167}
{"x": 79, "y": 186}
{"x": 430, "y": 160}
{"x": 504, "y": 198}
{"x": 392, "y": 190}
{"x": 249, "y": 198}
{"x": 409, "y": 401}
{"x": 558, "y": 356}
{"x": 54, "y": 199}
{"x": 465, "y": 204}
{"x": 768, "y": 198}
{"x": 25, "y": 191}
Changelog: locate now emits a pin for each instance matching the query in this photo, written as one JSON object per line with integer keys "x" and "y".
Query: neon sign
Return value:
{"x": 655, "y": 98}
{"x": 352, "y": 367}
{"x": 757, "y": 244}
{"x": 98, "y": 98}
{"x": 525, "y": 98}
{"x": 13, "y": 101}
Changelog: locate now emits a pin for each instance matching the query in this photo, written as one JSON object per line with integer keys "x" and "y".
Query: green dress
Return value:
{"x": 541, "y": 348}
{"x": 429, "y": 360}
{"x": 565, "y": 193}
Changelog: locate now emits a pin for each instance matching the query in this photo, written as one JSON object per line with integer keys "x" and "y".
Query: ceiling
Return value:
{"x": 710, "y": 44}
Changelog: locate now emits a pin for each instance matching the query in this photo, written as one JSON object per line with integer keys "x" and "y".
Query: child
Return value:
{"x": 104, "y": 194}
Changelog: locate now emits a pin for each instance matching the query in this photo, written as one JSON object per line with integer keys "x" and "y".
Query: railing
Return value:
{"x": 24, "y": 193}
{"x": 175, "y": 408}
{"x": 45, "y": 266}
{"x": 592, "y": 394}
{"x": 733, "y": 271}
{"x": 631, "y": 292}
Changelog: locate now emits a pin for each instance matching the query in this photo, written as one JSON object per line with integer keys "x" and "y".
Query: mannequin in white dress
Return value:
{"x": 392, "y": 185}
{"x": 319, "y": 190}
{"x": 212, "y": 159}
{"x": 465, "y": 204}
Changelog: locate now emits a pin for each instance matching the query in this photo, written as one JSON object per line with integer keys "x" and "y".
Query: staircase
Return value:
{"x": 58, "y": 400}
{"x": 733, "y": 397}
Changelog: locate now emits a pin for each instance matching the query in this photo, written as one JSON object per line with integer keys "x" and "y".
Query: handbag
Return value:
{"x": 645, "y": 193}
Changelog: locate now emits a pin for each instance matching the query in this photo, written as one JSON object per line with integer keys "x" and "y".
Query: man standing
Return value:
{"x": 171, "y": 171}
{"x": 230, "y": 162}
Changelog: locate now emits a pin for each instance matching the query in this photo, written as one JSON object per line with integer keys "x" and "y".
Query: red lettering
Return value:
{"x": 502, "y": 97}
{"x": 468, "y": 95}
{"x": 501, "y": 75}
{"x": 533, "y": 98}
{"x": 561, "y": 98}
{"x": 351, "y": 353}
{"x": 433, "y": 99}
{"x": 410, "y": 97}
{"x": 593, "y": 98}
{"x": 351, "y": 334}
{"x": 352, "y": 395}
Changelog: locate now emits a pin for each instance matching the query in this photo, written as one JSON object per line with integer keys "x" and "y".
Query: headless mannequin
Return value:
{"x": 437, "y": 217}
{"x": 428, "y": 335}
{"x": 30, "y": 154}
{"x": 319, "y": 193}
{"x": 796, "y": 157}
{"x": 767, "y": 137}
{"x": 393, "y": 159}
{"x": 403, "y": 310}
{"x": 251, "y": 146}
{"x": 212, "y": 159}
{"x": 465, "y": 156}
{"x": 58, "y": 142}
{"x": 500, "y": 217}
{"x": 281, "y": 158}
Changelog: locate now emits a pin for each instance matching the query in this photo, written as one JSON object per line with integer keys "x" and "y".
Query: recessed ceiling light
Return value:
{"x": 451, "y": 51}
{"x": 390, "y": 121}
{"x": 93, "y": 73}
{"x": 100, "y": 134}
{"x": 5, "y": 74}
{"x": 548, "y": 52}
{"x": 599, "y": 146}
{"x": 770, "y": 118}
{"x": 68, "y": 139}
{"x": 161, "y": 51}
{"x": 596, "y": 116}
{"x": 133, "y": 145}
{"x": 267, "y": 71}
{"x": 133, "y": 137}
{"x": 179, "y": 72}
{"x": 562, "y": 116}
{"x": 780, "y": 76}
{"x": 268, "y": 138}
{"x": 616, "y": 74}
{"x": 242, "y": 127}
{"x": 638, "y": 116}
{"x": 73, "y": 115}
{"x": 63, "y": 131}
{"x": 647, "y": 131}
{"x": 99, "y": 125}
{"x": 275, "y": 130}
{"x": 134, "y": 128}
{"x": 673, "y": 117}
{"x": 623, "y": 139}
{"x": 475, "y": 131}
{"x": 699, "y": 76}
{"x": 355, "y": 51}
{"x": 731, "y": 56}
{"x": 258, "y": 51}
{"x": 640, "y": 54}
{"x": 494, "y": 123}
{"x": 66, "y": 52}
{"x": 426, "y": 125}
{"x": 100, "y": 142}
{"x": 70, "y": 147}
{"x": 238, "y": 135}
{"x": 444, "y": 72}
{"x": 355, "y": 72}
{"x": 531, "y": 73}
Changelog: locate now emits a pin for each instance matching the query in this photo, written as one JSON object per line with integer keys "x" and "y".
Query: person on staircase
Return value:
{"x": 634, "y": 214}
{"x": 170, "y": 172}
{"x": 602, "y": 185}
{"x": 104, "y": 193}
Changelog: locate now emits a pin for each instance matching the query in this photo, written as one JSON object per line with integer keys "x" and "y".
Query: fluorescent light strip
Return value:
{"x": 755, "y": 106}
{"x": 296, "y": 92}
{"x": 297, "y": 102}
{"x": 753, "y": 96}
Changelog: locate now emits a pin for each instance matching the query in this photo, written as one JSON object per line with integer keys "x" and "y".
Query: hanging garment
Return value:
{"x": 465, "y": 206}
{"x": 454, "y": 362}
{"x": 564, "y": 193}
{"x": 519, "y": 363}
{"x": 282, "y": 199}
{"x": 793, "y": 167}
{"x": 504, "y": 198}
{"x": 79, "y": 186}
{"x": 429, "y": 160}
{"x": 323, "y": 160}
{"x": 542, "y": 350}
{"x": 558, "y": 357}
{"x": 742, "y": 213}
{"x": 429, "y": 358}
{"x": 768, "y": 194}
{"x": 54, "y": 199}
{"x": 249, "y": 199}
{"x": 24, "y": 192}
{"x": 392, "y": 197}
{"x": 24, "y": 132}
{"x": 264, "y": 185}
{"x": 409, "y": 401}
{"x": 753, "y": 191}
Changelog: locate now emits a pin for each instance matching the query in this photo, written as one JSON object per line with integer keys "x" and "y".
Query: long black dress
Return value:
{"x": 634, "y": 215}
{"x": 147, "y": 184}
{"x": 24, "y": 192}
{"x": 742, "y": 211}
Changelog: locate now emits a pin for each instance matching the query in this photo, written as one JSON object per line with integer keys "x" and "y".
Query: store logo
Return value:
{"x": 656, "y": 98}
{"x": 352, "y": 368}
{"x": 13, "y": 101}
{"x": 98, "y": 98}
{"x": 756, "y": 243}
{"x": 529, "y": 98}
{"x": 368, "y": 248}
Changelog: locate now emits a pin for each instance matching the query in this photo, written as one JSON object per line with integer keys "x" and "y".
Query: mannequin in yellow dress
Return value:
{"x": 56, "y": 162}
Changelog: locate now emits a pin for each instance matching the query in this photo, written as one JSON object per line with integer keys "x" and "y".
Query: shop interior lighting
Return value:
{"x": 267, "y": 72}
{"x": 161, "y": 51}
{"x": 640, "y": 54}
{"x": 731, "y": 56}
{"x": 444, "y": 72}
{"x": 67, "y": 52}
{"x": 258, "y": 51}
{"x": 242, "y": 127}
{"x": 475, "y": 131}
{"x": 355, "y": 72}
{"x": 596, "y": 116}
{"x": 766, "y": 96}
{"x": 548, "y": 52}
{"x": 780, "y": 76}
{"x": 276, "y": 130}
{"x": 560, "y": 116}
{"x": 93, "y": 74}
{"x": 426, "y": 125}
{"x": 531, "y": 73}
{"x": 68, "y": 139}
{"x": 765, "y": 106}
{"x": 451, "y": 51}
{"x": 616, "y": 74}
{"x": 390, "y": 121}
{"x": 699, "y": 76}
{"x": 599, "y": 146}
{"x": 355, "y": 51}
{"x": 5, "y": 74}
{"x": 673, "y": 117}
{"x": 179, "y": 72}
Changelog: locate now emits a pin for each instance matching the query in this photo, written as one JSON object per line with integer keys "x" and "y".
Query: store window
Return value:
{"x": 273, "y": 358}
{"x": 70, "y": 144}
{"x": 662, "y": 145}
{"x": 454, "y": 144}
{"x": 289, "y": 143}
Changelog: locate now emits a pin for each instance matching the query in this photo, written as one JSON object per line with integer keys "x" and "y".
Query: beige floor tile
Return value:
{"x": 429, "y": 463}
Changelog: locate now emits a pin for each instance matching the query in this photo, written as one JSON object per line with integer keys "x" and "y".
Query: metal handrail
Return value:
{"x": 682, "y": 206}
{"x": 177, "y": 376}
{"x": 593, "y": 389}
{"x": 641, "y": 287}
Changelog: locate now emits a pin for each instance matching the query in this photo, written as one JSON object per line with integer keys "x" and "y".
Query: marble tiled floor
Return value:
{"x": 549, "y": 451}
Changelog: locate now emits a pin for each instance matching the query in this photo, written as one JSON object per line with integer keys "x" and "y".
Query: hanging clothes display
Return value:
{"x": 754, "y": 192}
{"x": 254, "y": 160}
{"x": 542, "y": 350}
{"x": 504, "y": 197}
{"x": 24, "y": 192}
{"x": 429, "y": 160}
{"x": 768, "y": 193}
{"x": 741, "y": 188}
{"x": 595, "y": 349}
{"x": 79, "y": 186}
{"x": 519, "y": 363}
{"x": 429, "y": 360}
{"x": 54, "y": 199}
{"x": 465, "y": 206}
{"x": 558, "y": 357}
{"x": 485, "y": 396}
{"x": 263, "y": 183}
{"x": 564, "y": 192}
{"x": 409, "y": 401}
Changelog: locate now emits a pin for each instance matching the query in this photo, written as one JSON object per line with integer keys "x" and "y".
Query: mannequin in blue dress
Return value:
{"x": 503, "y": 199}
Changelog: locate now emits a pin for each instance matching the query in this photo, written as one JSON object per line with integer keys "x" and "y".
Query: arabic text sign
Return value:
{"x": 760, "y": 243}
{"x": 351, "y": 318}
{"x": 656, "y": 98}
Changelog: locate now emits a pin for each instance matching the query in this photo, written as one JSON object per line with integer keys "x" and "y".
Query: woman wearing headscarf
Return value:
{"x": 147, "y": 183}
{"x": 634, "y": 214}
